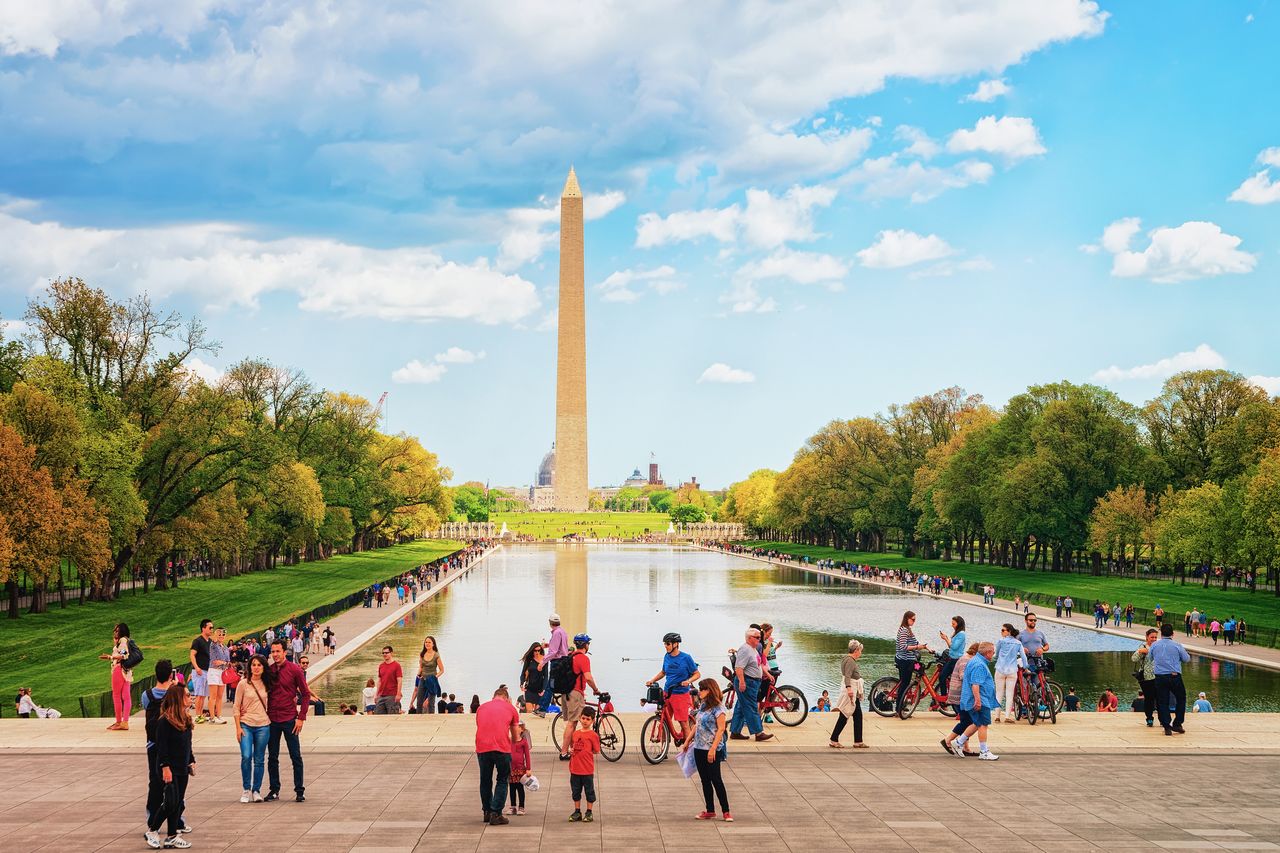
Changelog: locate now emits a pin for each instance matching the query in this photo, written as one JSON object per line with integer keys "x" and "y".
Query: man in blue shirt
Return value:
{"x": 681, "y": 672}
{"x": 978, "y": 698}
{"x": 1167, "y": 657}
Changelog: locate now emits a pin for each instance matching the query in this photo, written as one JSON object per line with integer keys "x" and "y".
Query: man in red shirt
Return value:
{"x": 582, "y": 766}
{"x": 390, "y": 675}
{"x": 496, "y": 731}
{"x": 288, "y": 699}
{"x": 577, "y": 697}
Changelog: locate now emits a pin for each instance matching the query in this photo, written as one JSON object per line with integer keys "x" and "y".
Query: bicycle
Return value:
{"x": 883, "y": 697}
{"x": 784, "y": 701}
{"x": 659, "y": 731}
{"x": 613, "y": 737}
{"x": 1034, "y": 694}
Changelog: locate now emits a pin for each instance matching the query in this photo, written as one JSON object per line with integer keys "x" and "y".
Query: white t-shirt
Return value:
{"x": 26, "y": 706}
{"x": 369, "y": 694}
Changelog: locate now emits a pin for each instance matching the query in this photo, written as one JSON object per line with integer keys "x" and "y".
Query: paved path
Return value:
{"x": 359, "y": 625}
{"x": 1253, "y": 655}
{"x": 376, "y": 802}
{"x": 1096, "y": 734}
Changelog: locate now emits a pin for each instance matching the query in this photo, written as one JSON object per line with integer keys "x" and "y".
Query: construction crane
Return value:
{"x": 380, "y": 410}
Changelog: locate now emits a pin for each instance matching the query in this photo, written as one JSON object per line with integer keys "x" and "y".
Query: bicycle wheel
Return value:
{"x": 1055, "y": 690}
{"x": 557, "y": 722}
{"x": 1047, "y": 702}
{"x": 794, "y": 712}
{"x": 882, "y": 695}
{"x": 655, "y": 740}
{"x": 914, "y": 694}
{"x": 613, "y": 737}
{"x": 1033, "y": 705}
{"x": 946, "y": 709}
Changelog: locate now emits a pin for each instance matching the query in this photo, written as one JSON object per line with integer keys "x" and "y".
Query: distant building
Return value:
{"x": 655, "y": 479}
{"x": 636, "y": 480}
{"x": 542, "y": 494}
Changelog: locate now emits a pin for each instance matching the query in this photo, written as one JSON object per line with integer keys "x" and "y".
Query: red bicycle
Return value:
{"x": 660, "y": 730}
{"x": 883, "y": 697}
{"x": 784, "y": 702}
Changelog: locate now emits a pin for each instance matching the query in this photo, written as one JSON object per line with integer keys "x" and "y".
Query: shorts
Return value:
{"x": 579, "y": 782}
{"x": 571, "y": 710}
{"x": 213, "y": 676}
{"x": 199, "y": 684}
{"x": 963, "y": 721}
{"x": 980, "y": 716}
{"x": 680, "y": 704}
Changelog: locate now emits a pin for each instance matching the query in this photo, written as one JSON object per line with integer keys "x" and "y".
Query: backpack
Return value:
{"x": 562, "y": 679}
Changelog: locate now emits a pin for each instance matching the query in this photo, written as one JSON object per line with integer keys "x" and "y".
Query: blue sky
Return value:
{"x": 796, "y": 212}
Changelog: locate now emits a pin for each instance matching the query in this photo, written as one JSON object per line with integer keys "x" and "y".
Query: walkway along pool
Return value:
{"x": 627, "y": 596}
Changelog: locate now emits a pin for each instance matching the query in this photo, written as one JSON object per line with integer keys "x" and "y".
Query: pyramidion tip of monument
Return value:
{"x": 571, "y": 189}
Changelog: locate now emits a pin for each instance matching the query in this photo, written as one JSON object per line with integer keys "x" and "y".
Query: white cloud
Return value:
{"x": 1270, "y": 384}
{"x": 42, "y": 28}
{"x": 800, "y": 267}
{"x": 1260, "y": 188}
{"x": 921, "y": 146}
{"x": 978, "y": 263}
{"x": 787, "y": 156}
{"x": 767, "y": 221}
{"x": 889, "y": 177}
{"x": 1202, "y": 357}
{"x": 13, "y": 329}
{"x": 1189, "y": 251}
{"x": 721, "y": 372}
{"x": 988, "y": 91}
{"x": 1011, "y": 137}
{"x": 415, "y": 372}
{"x": 745, "y": 298}
{"x": 526, "y": 235}
{"x": 900, "y": 248}
{"x": 424, "y": 373}
{"x": 458, "y": 355}
{"x": 617, "y": 287}
{"x": 205, "y": 372}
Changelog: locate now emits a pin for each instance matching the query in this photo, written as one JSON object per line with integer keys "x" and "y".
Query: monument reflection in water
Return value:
{"x": 627, "y": 597}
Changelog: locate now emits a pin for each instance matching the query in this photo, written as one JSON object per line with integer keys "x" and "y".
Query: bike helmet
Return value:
{"x": 671, "y": 637}
{"x": 580, "y": 640}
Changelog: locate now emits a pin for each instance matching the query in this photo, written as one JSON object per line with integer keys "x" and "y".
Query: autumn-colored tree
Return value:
{"x": 1122, "y": 517}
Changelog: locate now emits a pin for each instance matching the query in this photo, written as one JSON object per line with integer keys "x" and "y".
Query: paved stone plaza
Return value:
{"x": 397, "y": 801}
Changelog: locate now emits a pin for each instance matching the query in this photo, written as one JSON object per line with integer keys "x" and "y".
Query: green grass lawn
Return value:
{"x": 1261, "y": 609}
{"x": 55, "y": 653}
{"x": 552, "y": 525}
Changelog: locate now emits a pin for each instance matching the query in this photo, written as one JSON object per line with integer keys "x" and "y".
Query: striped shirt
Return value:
{"x": 906, "y": 639}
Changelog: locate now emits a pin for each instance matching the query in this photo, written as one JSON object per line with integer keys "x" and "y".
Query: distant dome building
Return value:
{"x": 542, "y": 493}
{"x": 636, "y": 480}
{"x": 547, "y": 470}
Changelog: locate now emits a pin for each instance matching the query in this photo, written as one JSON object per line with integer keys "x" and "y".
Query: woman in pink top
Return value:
{"x": 521, "y": 765}
{"x": 1214, "y": 627}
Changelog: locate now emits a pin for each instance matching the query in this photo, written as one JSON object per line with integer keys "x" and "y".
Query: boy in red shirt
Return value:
{"x": 582, "y": 765}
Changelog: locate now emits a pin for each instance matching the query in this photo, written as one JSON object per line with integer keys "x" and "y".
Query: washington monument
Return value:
{"x": 570, "y": 479}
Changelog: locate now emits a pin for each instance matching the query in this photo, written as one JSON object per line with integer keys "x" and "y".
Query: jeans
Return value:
{"x": 294, "y": 746}
{"x": 175, "y": 797}
{"x": 709, "y": 774}
{"x": 253, "y": 752}
{"x": 517, "y": 794}
{"x": 1149, "y": 699}
{"x": 1167, "y": 686}
{"x": 546, "y": 690}
{"x": 746, "y": 711}
{"x": 493, "y": 791}
{"x": 906, "y": 670}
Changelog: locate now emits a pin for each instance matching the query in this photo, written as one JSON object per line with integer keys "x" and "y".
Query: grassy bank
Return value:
{"x": 55, "y": 653}
{"x": 552, "y": 525}
{"x": 1261, "y": 609}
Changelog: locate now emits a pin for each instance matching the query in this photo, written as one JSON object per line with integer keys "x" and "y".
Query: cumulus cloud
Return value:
{"x": 988, "y": 91}
{"x": 721, "y": 372}
{"x": 205, "y": 372}
{"x": 1011, "y": 137}
{"x": 1203, "y": 357}
{"x": 799, "y": 267}
{"x": 12, "y": 329}
{"x": 530, "y": 231}
{"x": 424, "y": 373}
{"x": 1189, "y": 251}
{"x": 891, "y": 177}
{"x": 902, "y": 248}
{"x": 1261, "y": 187}
{"x": 788, "y": 156}
{"x": 225, "y": 266}
{"x": 767, "y": 221}
{"x": 921, "y": 146}
{"x": 745, "y": 298}
{"x": 618, "y": 286}
{"x": 1270, "y": 384}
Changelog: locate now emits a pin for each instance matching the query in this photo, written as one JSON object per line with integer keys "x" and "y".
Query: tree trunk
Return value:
{"x": 162, "y": 577}
{"x": 12, "y": 587}
{"x": 38, "y": 604}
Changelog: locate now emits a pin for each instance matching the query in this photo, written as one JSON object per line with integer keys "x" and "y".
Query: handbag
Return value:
{"x": 230, "y": 676}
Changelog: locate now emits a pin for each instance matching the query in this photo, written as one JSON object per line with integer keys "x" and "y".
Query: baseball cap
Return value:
{"x": 554, "y": 617}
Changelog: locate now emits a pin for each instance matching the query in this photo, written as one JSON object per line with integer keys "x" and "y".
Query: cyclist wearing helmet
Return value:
{"x": 577, "y": 698}
{"x": 681, "y": 672}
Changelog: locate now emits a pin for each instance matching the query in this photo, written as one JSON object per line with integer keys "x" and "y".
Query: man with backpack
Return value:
{"x": 557, "y": 648}
{"x": 575, "y": 697}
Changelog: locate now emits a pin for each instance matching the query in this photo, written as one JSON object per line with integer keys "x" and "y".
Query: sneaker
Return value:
{"x": 218, "y": 721}
{"x": 498, "y": 819}
{"x": 706, "y": 816}
{"x": 176, "y": 842}
{"x": 257, "y": 797}
{"x": 539, "y": 713}
{"x": 300, "y": 798}
{"x": 271, "y": 797}
{"x": 728, "y": 817}
{"x": 988, "y": 756}
{"x": 202, "y": 719}
{"x": 1151, "y": 724}
{"x": 520, "y": 810}
{"x": 152, "y": 839}
{"x": 957, "y": 748}
{"x": 185, "y": 828}
{"x": 487, "y": 815}
{"x": 246, "y": 797}
{"x": 588, "y": 817}
{"x": 576, "y": 817}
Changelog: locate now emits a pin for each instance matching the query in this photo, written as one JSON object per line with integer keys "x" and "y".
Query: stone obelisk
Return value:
{"x": 570, "y": 479}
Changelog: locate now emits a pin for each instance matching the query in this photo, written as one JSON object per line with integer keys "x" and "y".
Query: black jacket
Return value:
{"x": 173, "y": 747}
